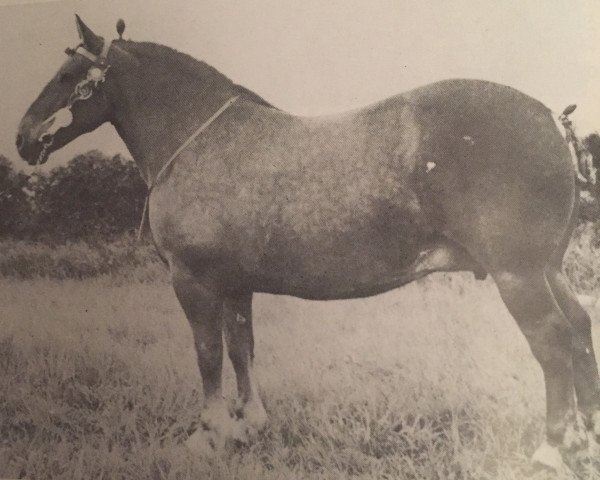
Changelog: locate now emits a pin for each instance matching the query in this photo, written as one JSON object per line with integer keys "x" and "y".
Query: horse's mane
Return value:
{"x": 174, "y": 60}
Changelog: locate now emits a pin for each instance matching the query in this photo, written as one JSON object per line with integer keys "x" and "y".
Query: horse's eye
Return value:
{"x": 65, "y": 77}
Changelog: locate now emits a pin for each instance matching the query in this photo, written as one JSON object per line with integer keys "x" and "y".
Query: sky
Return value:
{"x": 312, "y": 57}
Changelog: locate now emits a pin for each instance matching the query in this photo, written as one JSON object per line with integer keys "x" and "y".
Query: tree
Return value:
{"x": 589, "y": 210}
{"x": 592, "y": 143}
{"x": 93, "y": 197}
{"x": 15, "y": 209}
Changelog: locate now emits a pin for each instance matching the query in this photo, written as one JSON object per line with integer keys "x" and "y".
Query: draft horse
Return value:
{"x": 456, "y": 175}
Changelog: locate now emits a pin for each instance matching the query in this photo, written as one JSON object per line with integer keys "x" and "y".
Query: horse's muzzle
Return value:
{"x": 33, "y": 153}
{"x": 30, "y": 148}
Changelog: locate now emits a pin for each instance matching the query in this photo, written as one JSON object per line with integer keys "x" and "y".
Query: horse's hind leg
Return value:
{"x": 237, "y": 320}
{"x": 531, "y": 302}
{"x": 202, "y": 304}
{"x": 585, "y": 368}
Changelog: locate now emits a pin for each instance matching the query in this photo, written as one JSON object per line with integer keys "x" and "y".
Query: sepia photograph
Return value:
{"x": 278, "y": 239}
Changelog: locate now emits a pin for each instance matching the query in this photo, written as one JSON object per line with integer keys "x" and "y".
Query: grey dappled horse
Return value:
{"x": 456, "y": 175}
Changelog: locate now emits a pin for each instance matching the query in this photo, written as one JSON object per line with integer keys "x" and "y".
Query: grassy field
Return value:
{"x": 432, "y": 381}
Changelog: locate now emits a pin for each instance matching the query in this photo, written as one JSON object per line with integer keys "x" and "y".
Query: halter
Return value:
{"x": 62, "y": 118}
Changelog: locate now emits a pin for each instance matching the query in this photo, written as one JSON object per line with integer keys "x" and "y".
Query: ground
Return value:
{"x": 431, "y": 381}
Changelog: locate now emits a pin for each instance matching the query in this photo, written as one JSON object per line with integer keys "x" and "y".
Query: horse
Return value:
{"x": 458, "y": 175}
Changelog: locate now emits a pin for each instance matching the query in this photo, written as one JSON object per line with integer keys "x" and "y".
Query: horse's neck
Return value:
{"x": 156, "y": 117}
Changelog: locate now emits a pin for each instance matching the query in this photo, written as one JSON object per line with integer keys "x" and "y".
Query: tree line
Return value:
{"x": 93, "y": 197}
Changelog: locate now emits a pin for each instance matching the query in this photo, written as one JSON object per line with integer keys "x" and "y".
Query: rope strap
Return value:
{"x": 183, "y": 146}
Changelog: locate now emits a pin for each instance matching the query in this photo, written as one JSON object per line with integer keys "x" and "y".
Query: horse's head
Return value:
{"x": 75, "y": 101}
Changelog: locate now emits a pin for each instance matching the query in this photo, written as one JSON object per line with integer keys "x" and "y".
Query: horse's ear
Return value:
{"x": 90, "y": 40}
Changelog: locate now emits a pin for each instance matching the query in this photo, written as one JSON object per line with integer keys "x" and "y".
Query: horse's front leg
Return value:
{"x": 237, "y": 320}
{"x": 202, "y": 303}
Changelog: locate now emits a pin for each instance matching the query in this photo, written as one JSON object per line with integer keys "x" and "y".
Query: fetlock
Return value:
{"x": 575, "y": 436}
{"x": 255, "y": 415}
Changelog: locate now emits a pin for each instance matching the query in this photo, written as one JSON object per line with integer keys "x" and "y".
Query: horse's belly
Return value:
{"x": 330, "y": 284}
{"x": 336, "y": 266}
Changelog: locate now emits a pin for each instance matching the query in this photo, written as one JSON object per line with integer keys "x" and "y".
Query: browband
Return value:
{"x": 81, "y": 50}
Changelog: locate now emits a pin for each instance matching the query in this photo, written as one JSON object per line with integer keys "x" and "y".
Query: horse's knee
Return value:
{"x": 239, "y": 337}
{"x": 237, "y": 320}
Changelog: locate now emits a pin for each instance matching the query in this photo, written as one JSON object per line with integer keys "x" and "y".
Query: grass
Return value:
{"x": 123, "y": 258}
{"x": 432, "y": 381}
{"x": 98, "y": 374}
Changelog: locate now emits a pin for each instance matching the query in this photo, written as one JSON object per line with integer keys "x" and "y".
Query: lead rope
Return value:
{"x": 164, "y": 168}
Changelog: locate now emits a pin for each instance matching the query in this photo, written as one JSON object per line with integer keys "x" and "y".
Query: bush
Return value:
{"x": 582, "y": 262}
{"x": 93, "y": 196}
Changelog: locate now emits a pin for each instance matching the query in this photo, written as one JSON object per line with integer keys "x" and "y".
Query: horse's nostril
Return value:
{"x": 20, "y": 141}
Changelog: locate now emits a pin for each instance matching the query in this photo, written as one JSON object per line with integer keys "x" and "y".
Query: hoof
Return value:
{"x": 218, "y": 429}
{"x": 549, "y": 457}
{"x": 201, "y": 442}
{"x": 208, "y": 442}
{"x": 254, "y": 416}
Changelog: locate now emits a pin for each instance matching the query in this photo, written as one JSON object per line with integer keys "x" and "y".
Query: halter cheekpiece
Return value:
{"x": 84, "y": 89}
